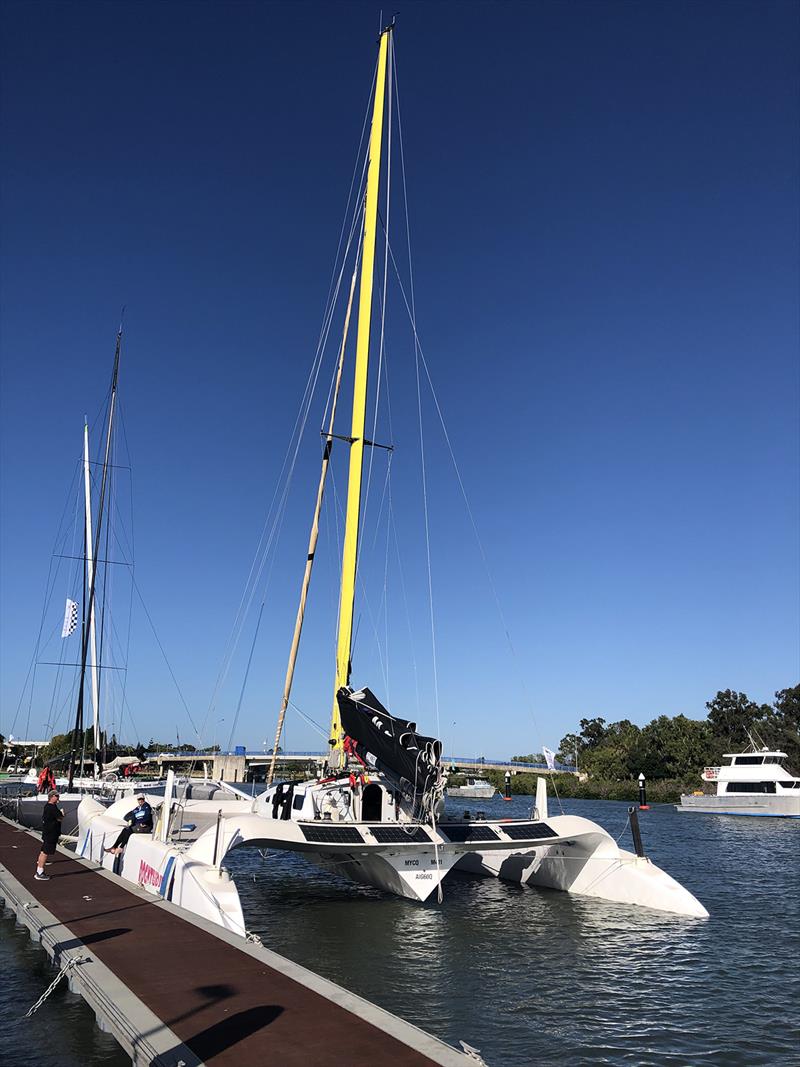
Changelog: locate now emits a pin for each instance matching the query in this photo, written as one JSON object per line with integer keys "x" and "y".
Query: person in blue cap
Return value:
{"x": 140, "y": 821}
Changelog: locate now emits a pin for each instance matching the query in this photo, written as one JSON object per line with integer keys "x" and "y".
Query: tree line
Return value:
{"x": 678, "y": 747}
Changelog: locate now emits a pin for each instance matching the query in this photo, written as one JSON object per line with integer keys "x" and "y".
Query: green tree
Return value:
{"x": 61, "y": 745}
{"x": 593, "y": 731}
{"x": 675, "y": 747}
{"x": 617, "y": 756}
{"x": 568, "y": 747}
{"x": 786, "y": 721}
{"x": 787, "y": 705}
{"x": 732, "y": 716}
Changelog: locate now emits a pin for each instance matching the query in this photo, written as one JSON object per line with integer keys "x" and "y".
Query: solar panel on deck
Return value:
{"x": 390, "y": 835}
{"x": 467, "y": 832}
{"x": 521, "y": 830}
{"x": 327, "y": 833}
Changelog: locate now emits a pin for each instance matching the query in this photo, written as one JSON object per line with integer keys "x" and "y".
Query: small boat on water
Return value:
{"x": 755, "y": 782}
{"x": 472, "y": 789}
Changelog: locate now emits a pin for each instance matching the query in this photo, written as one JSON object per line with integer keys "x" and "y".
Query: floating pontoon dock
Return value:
{"x": 178, "y": 991}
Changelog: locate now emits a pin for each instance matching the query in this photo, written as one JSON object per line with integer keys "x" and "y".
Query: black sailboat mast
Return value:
{"x": 77, "y": 732}
{"x": 97, "y": 536}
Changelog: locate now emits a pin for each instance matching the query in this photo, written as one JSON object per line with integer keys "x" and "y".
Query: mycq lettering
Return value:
{"x": 148, "y": 875}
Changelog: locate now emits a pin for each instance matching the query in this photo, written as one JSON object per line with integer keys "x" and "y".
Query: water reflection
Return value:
{"x": 63, "y": 1031}
{"x": 529, "y": 975}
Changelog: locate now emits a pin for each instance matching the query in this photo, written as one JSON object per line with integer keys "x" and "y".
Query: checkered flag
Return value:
{"x": 70, "y": 618}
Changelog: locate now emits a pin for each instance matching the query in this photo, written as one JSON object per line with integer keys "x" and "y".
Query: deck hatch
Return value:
{"x": 329, "y": 834}
{"x": 519, "y": 831}
{"x": 397, "y": 835}
{"x": 468, "y": 832}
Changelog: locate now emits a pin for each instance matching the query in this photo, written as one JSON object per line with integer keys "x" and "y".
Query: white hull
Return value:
{"x": 588, "y": 862}
{"x": 413, "y": 875}
{"x": 408, "y": 860}
{"x": 180, "y": 869}
{"x": 787, "y": 807}
{"x": 564, "y": 852}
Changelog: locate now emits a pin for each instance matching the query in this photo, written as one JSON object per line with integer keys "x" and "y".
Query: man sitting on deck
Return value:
{"x": 141, "y": 822}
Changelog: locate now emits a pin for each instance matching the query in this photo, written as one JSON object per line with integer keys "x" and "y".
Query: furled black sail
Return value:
{"x": 394, "y": 743}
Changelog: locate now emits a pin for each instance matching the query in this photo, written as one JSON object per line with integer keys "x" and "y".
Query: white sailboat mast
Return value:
{"x": 89, "y": 584}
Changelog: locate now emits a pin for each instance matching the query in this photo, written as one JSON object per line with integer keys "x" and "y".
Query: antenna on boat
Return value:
{"x": 389, "y": 25}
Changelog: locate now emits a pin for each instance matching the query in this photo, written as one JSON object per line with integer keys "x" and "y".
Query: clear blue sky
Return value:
{"x": 603, "y": 200}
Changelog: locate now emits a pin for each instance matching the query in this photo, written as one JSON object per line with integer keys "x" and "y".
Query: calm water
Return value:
{"x": 527, "y": 977}
{"x": 63, "y": 1031}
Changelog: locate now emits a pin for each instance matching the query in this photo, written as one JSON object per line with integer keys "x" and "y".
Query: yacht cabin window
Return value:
{"x": 751, "y": 787}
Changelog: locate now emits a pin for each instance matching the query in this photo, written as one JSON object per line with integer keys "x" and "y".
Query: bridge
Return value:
{"x": 242, "y": 765}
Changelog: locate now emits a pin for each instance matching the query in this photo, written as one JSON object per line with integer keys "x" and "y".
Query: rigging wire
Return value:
{"x": 75, "y": 571}
{"x": 328, "y": 299}
{"x": 417, "y": 355}
{"x": 48, "y": 593}
{"x": 404, "y": 593}
{"x": 382, "y": 663}
{"x": 386, "y": 582}
{"x": 322, "y": 731}
{"x": 382, "y": 298}
{"x": 462, "y": 488}
{"x": 106, "y": 599}
{"x": 298, "y": 433}
{"x": 53, "y": 574}
{"x": 164, "y": 654}
{"x": 420, "y": 360}
{"x": 246, "y": 676}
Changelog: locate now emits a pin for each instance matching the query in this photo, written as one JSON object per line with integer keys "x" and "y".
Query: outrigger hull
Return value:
{"x": 586, "y": 861}
{"x": 182, "y": 869}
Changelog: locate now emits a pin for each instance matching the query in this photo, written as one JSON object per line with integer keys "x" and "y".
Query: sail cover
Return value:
{"x": 394, "y": 743}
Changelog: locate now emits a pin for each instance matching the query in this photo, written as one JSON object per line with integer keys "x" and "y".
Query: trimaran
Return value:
{"x": 375, "y": 813}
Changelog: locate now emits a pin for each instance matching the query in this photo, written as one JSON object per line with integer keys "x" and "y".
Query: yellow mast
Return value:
{"x": 345, "y": 631}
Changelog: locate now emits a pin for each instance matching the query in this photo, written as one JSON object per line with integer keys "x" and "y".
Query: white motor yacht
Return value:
{"x": 753, "y": 783}
{"x": 472, "y": 789}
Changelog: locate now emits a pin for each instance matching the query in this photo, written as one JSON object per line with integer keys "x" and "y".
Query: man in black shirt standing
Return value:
{"x": 51, "y": 831}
